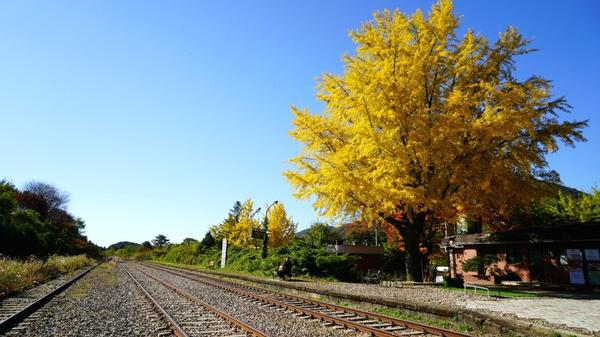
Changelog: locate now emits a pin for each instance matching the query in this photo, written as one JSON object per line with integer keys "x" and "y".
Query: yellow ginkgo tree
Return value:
{"x": 237, "y": 226}
{"x": 282, "y": 229}
{"x": 425, "y": 125}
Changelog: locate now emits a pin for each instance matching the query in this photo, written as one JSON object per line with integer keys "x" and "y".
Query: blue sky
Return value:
{"x": 157, "y": 115}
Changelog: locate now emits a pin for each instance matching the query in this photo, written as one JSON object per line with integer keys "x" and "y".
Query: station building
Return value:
{"x": 367, "y": 257}
{"x": 566, "y": 255}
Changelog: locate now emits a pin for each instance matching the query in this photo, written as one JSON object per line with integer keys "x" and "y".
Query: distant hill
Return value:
{"x": 123, "y": 244}
{"x": 301, "y": 234}
{"x": 339, "y": 229}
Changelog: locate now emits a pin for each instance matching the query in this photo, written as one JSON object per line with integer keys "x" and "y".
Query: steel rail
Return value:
{"x": 368, "y": 315}
{"x": 244, "y": 326}
{"x": 22, "y": 314}
{"x": 178, "y": 330}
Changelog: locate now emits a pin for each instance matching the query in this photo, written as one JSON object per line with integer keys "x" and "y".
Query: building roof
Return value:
{"x": 582, "y": 232}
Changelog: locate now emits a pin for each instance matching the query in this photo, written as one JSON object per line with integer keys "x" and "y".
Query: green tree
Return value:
{"x": 589, "y": 206}
{"x": 160, "y": 241}
{"x": 208, "y": 241}
{"x": 321, "y": 234}
{"x": 189, "y": 241}
{"x": 146, "y": 246}
{"x": 567, "y": 208}
{"x": 38, "y": 224}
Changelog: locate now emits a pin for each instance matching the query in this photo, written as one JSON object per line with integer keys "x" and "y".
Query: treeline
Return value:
{"x": 310, "y": 250}
{"x": 311, "y": 254}
{"x": 568, "y": 208}
{"x": 34, "y": 221}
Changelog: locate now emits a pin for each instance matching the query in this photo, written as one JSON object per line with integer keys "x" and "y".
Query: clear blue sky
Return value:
{"x": 157, "y": 115}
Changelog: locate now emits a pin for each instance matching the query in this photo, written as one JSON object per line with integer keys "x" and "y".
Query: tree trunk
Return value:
{"x": 412, "y": 258}
{"x": 410, "y": 235}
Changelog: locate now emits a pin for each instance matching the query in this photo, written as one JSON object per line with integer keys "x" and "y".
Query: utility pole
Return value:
{"x": 266, "y": 229}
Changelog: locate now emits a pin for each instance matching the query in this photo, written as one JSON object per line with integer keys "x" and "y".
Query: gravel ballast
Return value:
{"x": 273, "y": 321}
{"x": 105, "y": 302}
{"x": 442, "y": 302}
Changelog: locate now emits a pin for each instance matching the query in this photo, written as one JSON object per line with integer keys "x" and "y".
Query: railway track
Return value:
{"x": 187, "y": 314}
{"x": 343, "y": 317}
{"x": 16, "y": 310}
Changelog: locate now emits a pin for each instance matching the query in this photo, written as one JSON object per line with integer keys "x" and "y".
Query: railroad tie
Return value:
{"x": 219, "y": 332}
{"x": 412, "y": 333}
{"x": 369, "y": 321}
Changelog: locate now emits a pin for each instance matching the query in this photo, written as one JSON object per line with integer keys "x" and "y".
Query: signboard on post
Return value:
{"x": 223, "y": 253}
{"x": 257, "y": 234}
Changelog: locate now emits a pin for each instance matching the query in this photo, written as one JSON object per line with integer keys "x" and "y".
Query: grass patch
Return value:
{"x": 103, "y": 275}
{"x": 450, "y": 325}
{"x": 16, "y": 276}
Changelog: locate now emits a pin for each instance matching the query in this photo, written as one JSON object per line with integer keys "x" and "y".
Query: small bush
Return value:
{"x": 453, "y": 282}
{"x": 480, "y": 263}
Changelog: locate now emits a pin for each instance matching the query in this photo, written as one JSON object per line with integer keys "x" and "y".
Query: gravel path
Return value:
{"x": 273, "y": 321}
{"x": 583, "y": 315}
{"x": 103, "y": 303}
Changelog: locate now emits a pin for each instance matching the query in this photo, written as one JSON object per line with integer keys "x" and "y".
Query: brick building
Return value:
{"x": 554, "y": 255}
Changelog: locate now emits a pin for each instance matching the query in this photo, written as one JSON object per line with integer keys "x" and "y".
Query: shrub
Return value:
{"x": 186, "y": 253}
{"x": 453, "y": 282}
{"x": 18, "y": 275}
{"x": 479, "y": 263}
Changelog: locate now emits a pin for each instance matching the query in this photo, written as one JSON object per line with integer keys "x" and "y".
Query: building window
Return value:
{"x": 514, "y": 256}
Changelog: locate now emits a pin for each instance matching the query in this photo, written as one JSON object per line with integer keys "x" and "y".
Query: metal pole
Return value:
{"x": 376, "y": 228}
{"x": 265, "y": 229}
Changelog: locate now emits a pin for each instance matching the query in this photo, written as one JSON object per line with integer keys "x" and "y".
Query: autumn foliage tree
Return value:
{"x": 35, "y": 222}
{"x": 238, "y": 224}
{"x": 425, "y": 125}
{"x": 282, "y": 229}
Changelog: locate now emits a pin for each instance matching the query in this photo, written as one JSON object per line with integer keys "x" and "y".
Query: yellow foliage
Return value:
{"x": 281, "y": 227}
{"x": 237, "y": 231}
{"x": 422, "y": 121}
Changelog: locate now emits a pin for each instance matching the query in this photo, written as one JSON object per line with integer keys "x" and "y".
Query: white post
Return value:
{"x": 223, "y": 253}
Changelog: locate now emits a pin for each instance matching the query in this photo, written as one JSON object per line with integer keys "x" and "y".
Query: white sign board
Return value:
{"x": 575, "y": 261}
{"x": 576, "y": 277}
{"x": 223, "y": 253}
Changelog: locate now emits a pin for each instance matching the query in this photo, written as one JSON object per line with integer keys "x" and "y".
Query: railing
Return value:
{"x": 475, "y": 287}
